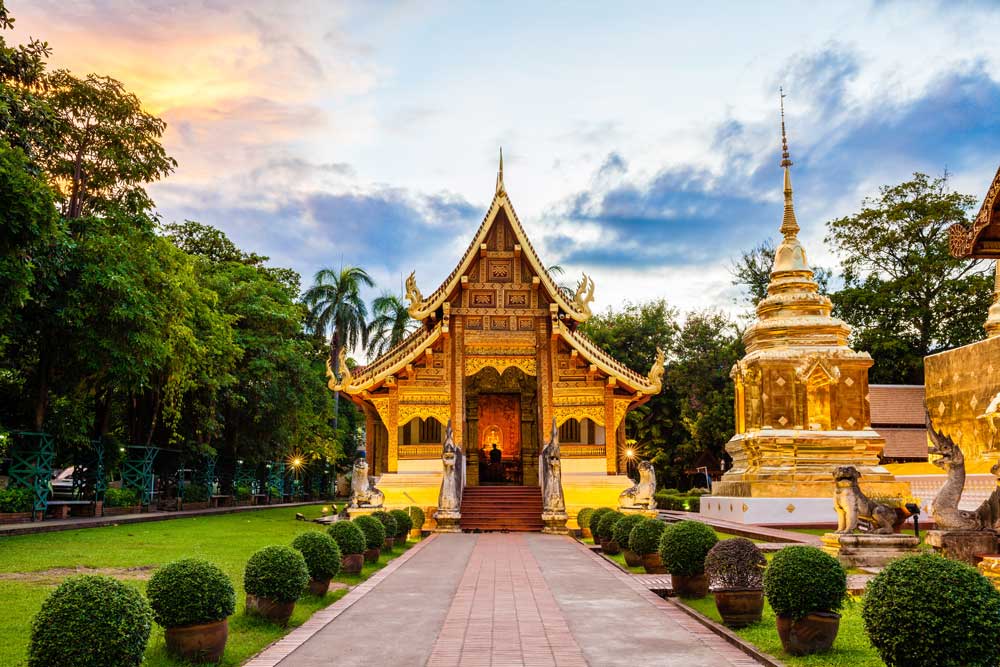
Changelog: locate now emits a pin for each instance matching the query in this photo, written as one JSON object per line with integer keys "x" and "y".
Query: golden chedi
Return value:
{"x": 801, "y": 393}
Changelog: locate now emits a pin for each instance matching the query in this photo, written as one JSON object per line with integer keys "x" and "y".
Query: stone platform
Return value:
{"x": 769, "y": 511}
{"x": 864, "y": 550}
{"x": 967, "y": 546}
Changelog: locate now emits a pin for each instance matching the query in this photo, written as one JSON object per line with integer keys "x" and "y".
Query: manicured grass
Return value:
{"x": 226, "y": 540}
{"x": 851, "y": 649}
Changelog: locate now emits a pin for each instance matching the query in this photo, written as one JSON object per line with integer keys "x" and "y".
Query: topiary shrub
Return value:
{"x": 583, "y": 517}
{"x": 623, "y": 528}
{"x": 243, "y": 493}
{"x": 595, "y": 519}
{"x": 925, "y": 611}
{"x": 190, "y": 591}
{"x": 348, "y": 537}
{"x": 403, "y": 524}
{"x": 388, "y": 522}
{"x": 645, "y": 537}
{"x": 195, "y": 493}
{"x": 735, "y": 564}
{"x": 417, "y": 516}
{"x": 800, "y": 580}
{"x": 373, "y": 530}
{"x": 16, "y": 499}
{"x": 321, "y": 552}
{"x": 90, "y": 621}
{"x": 684, "y": 545}
{"x": 606, "y": 527}
{"x": 121, "y": 497}
{"x": 276, "y": 573}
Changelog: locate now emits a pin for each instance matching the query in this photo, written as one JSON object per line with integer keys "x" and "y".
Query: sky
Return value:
{"x": 641, "y": 140}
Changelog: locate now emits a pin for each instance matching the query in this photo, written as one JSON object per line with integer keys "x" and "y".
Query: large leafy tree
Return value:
{"x": 904, "y": 294}
{"x": 26, "y": 119}
{"x": 391, "y": 323}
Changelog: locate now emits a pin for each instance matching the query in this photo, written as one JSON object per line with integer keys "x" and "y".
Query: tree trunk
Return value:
{"x": 335, "y": 347}
{"x": 42, "y": 395}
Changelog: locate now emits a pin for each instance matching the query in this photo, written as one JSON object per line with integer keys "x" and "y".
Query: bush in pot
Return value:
{"x": 195, "y": 493}
{"x": 192, "y": 598}
{"x": 274, "y": 579}
{"x": 403, "y": 526}
{"x": 352, "y": 545}
{"x": 605, "y": 530}
{"x": 418, "y": 519}
{"x": 735, "y": 569}
{"x": 583, "y": 520}
{"x": 595, "y": 519}
{"x": 323, "y": 559}
{"x": 389, "y": 523}
{"x": 90, "y": 621}
{"x": 620, "y": 534}
{"x": 805, "y": 587}
{"x": 951, "y": 612}
{"x": 121, "y": 497}
{"x": 683, "y": 547}
{"x": 16, "y": 500}
{"x": 374, "y": 536}
{"x": 645, "y": 541}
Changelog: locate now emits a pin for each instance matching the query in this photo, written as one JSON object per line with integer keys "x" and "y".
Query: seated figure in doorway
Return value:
{"x": 496, "y": 456}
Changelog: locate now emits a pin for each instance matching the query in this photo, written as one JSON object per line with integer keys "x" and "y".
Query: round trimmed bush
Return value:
{"x": 925, "y": 611}
{"x": 321, "y": 553}
{"x": 417, "y": 516}
{"x": 800, "y": 580}
{"x": 348, "y": 537}
{"x": 373, "y": 529}
{"x": 583, "y": 517}
{"x": 645, "y": 537}
{"x": 735, "y": 564}
{"x": 623, "y": 528}
{"x": 684, "y": 545}
{"x": 606, "y": 526}
{"x": 403, "y": 523}
{"x": 90, "y": 621}
{"x": 388, "y": 522}
{"x": 276, "y": 573}
{"x": 190, "y": 591}
{"x": 596, "y": 517}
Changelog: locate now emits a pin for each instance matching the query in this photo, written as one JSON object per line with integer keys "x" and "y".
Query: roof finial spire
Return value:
{"x": 789, "y": 226}
{"x": 500, "y": 186}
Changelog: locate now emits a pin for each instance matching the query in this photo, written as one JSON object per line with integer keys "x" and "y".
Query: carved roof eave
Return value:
{"x": 967, "y": 241}
{"x": 375, "y": 373}
{"x": 426, "y": 308}
{"x": 625, "y": 376}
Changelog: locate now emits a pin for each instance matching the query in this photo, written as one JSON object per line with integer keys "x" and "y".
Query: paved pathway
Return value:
{"x": 498, "y": 600}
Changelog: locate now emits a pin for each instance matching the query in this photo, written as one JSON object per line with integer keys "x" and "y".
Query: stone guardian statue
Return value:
{"x": 363, "y": 494}
{"x": 640, "y": 496}
{"x": 550, "y": 473}
{"x": 449, "y": 511}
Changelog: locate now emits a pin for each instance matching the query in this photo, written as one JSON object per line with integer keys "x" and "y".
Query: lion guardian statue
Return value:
{"x": 363, "y": 494}
{"x": 854, "y": 507}
{"x": 640, "y": 496}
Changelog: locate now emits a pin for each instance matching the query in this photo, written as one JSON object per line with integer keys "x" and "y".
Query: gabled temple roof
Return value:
{"x": 982, "y": 238}
{"x": 366, "y": 377}
{"x": 647, "y": 384}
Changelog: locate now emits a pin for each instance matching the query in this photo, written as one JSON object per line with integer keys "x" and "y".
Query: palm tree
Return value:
{"x": 336, "y": 309}
{"x": 556, "y": 270}
{"x": 391, "y": 325}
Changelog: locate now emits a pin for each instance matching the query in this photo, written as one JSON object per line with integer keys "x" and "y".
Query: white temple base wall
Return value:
{"x": 769, "y": 511}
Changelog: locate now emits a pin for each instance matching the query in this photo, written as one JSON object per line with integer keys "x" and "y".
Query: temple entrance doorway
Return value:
{"x": 500, "y": 439}
{"x": 500, "y": 428}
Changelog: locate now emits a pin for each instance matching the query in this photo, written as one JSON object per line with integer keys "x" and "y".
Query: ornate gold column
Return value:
{"x": 610, "y": 431}
{"x": 393, "y": 427}
{"x": 993, "y": 320}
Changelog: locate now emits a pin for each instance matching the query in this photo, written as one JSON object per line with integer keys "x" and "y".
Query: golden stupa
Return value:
{"x": 801, "y": 392}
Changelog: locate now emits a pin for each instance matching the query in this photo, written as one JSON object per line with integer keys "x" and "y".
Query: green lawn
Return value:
{"x": 226, "y": 540}
{"x": 851, "y": 649}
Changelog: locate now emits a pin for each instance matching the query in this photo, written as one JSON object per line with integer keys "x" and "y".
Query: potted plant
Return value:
{"x": 735, "y": 569}
{"x": 417, "y": 517}
{"x": 403, "y": 526}
{"x": 274, "y": 579}
{"x": 683, "y": 547}
{"x": 583, "y": 520}
{"x": 389, "y": 523}
{"x": 605, "y": 528}
{"x": 620, "y": 534}
{"x": 121, "y": 501}
{"x": 192, "y": 599}
{"x": 322, "y": 559}
{"x": 374, "y": 536}
{"x": 90, "y": 621}
{"x": 645, "y": 541}
{"x": 805, "y": 587}
{"x": 595, "y": 519}
{"x": 352, "y": 545}
{"x": 15, "y": 505}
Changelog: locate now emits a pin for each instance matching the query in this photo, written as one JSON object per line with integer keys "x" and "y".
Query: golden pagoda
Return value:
{"x": 801, "y": 395}
{"x": 499, "y": 354}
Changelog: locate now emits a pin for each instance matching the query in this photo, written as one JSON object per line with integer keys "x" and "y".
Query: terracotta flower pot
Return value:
{"x": 400, "y": 541}
{"x": 653, "y": 564}
{"x": 371, "y": 555}
{"x": 272, "y": 610}
{"x": 198, "y": 643}
{"x": 694, "y": 586}
{"x": 740, "y": 608}
{"x": 352, "y": 563}
{"x": 632, "y": 559}
{"x": 388, "y": 544}
{"x": 319, "y": 587}
{"x": 585, "y": 532}
{"x": 812, "y": 633}
{"x": 415, "y": 533}
{"x": 603, "y": 541}
{"x": 611, "y": 548}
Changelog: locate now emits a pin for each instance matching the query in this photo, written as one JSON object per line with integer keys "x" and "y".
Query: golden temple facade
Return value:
{"x": 499, "y": 354}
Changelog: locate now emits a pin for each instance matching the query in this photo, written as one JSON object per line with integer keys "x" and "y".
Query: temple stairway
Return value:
{"x": 513, "y": 508}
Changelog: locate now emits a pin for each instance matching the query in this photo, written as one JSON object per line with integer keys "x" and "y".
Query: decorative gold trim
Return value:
{"x": 621, "y": 406}
{"x": 963, "y": 241}
{"x": 408, "y": 412}
{"x": 475, "y": 364}
{"x": 651, "y": 384}
{"x": 595, "y": 413}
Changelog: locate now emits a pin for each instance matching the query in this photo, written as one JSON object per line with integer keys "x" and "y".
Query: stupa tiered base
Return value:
{"x": 867, "y": 550}
{"x": 785, "y": 511}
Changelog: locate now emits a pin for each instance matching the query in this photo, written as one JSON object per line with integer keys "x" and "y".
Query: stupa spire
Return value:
{"x": 500, "y": 186}
{"x": 789, "y": 225}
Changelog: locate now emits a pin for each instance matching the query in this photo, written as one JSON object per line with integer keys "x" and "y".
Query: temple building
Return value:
{"x": 801, "y": 404}
{"x": 498, "y": 353}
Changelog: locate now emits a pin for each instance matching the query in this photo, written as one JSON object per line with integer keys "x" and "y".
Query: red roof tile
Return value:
{"x": 897, "y": 405}
{"x": 904, "y": 443}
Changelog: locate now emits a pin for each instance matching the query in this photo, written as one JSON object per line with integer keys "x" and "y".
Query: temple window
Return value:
{"x": 569, "y": 431}
{"x": 818, "y": 402}
{"x": 430, "y": 430}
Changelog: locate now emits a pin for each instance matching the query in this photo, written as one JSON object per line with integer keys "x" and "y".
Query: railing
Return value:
{"x": 420, "y": 451}
{"x": 583, "y": 451}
